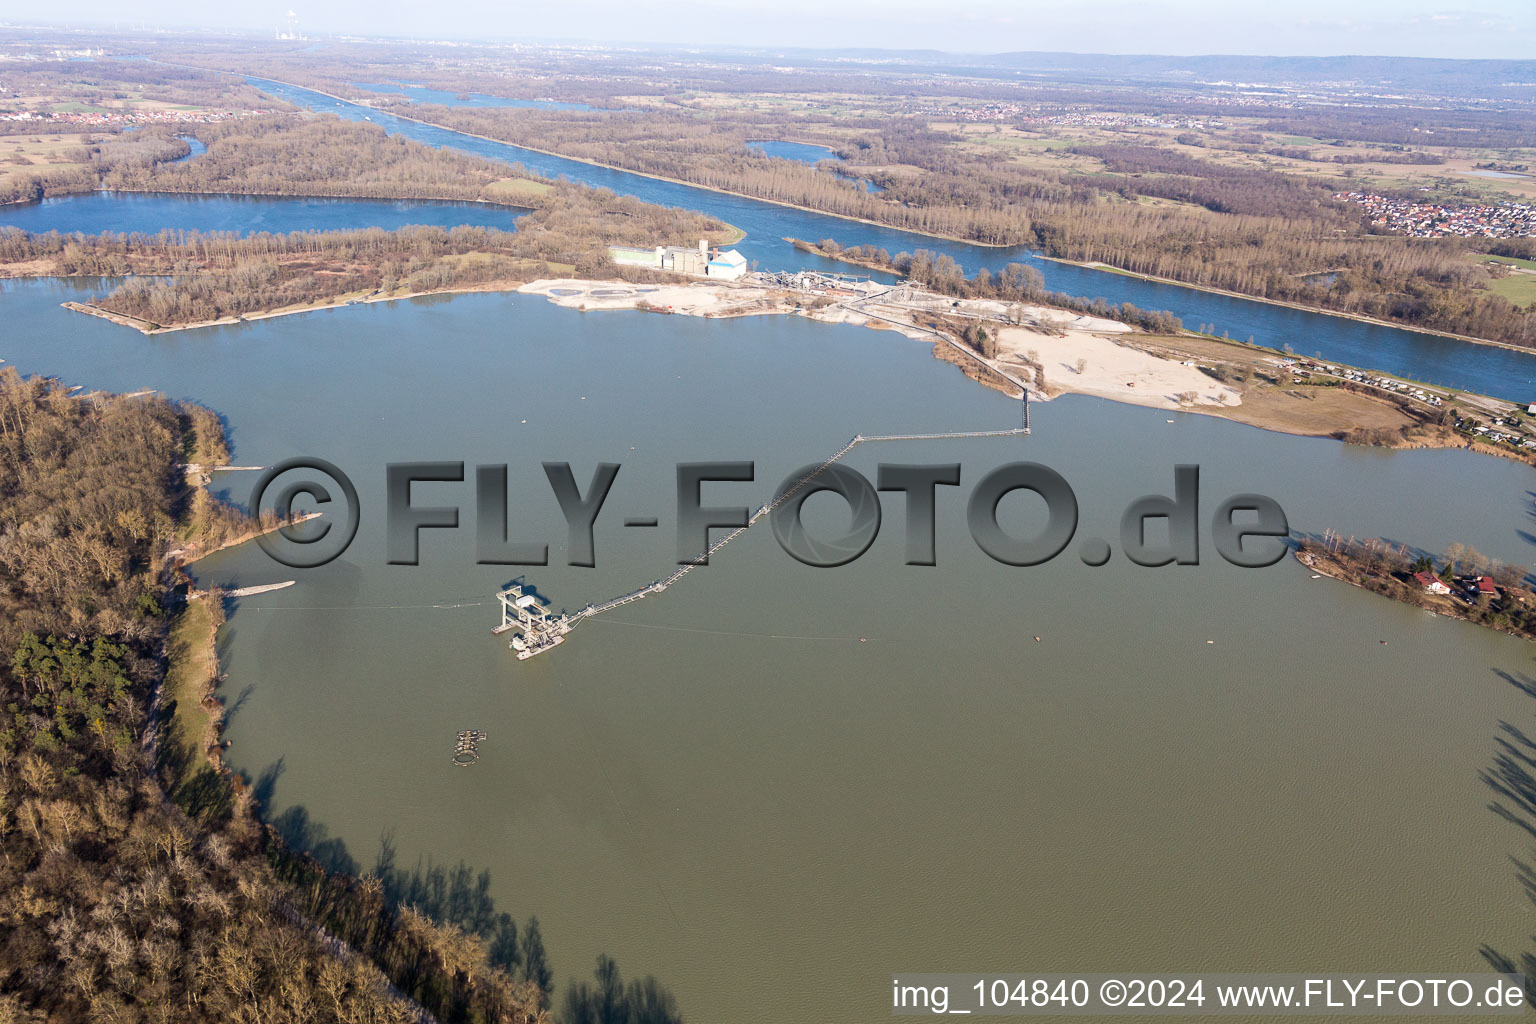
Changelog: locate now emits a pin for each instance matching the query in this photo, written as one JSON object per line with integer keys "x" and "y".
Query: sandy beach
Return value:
{"x": 1057, "y": 338}
{"x": 1111, "y": 370}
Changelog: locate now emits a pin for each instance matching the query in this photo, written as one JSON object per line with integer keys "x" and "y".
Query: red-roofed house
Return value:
{"x": 1432, "y": 583}
{"x": 1485, "y": 587}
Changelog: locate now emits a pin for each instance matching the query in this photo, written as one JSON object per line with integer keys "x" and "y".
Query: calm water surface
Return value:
{"x": 807, "y": 153}
{"x": 151, "y": 212}
{"x": 1194, "y": 768}
{"x": 801, "y": 151}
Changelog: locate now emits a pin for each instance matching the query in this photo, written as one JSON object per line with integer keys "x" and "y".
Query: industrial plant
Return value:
{"x": 728, "y": 265}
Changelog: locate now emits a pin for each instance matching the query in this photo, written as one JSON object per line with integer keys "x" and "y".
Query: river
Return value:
{"x": 1486, "y": 369}
{"x": 773, "y": 786}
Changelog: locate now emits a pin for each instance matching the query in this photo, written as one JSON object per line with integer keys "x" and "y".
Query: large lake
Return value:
{"x": 1196, "y": 768}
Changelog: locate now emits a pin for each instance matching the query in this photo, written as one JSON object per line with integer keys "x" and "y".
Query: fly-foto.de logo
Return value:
{"x": 1247, "y": 530}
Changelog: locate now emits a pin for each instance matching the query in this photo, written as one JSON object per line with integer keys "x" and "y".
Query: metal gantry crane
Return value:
{"x": 539, "y": 631}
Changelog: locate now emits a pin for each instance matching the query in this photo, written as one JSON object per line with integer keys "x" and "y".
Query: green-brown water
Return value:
{"x": 724, "y": 787}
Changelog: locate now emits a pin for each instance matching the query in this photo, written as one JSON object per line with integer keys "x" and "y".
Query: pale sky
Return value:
{"x": 1419, "y": 28}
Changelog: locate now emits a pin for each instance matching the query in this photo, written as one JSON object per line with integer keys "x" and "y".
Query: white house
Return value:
{"x": 1431, "y": 583}
{"x": 728, "y": 266}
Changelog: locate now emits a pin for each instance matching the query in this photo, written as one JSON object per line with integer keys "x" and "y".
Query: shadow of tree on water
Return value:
{"x": 351, "y": 902}
{"x": 1512, "y": 777}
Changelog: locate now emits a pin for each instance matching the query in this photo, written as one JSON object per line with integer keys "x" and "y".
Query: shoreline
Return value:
{"x": 812, "y": 249}
{"x": 300, "y": 195}
{"x": 740, "y": 232}
{"x": 190, "y": 682}
{"x": 1328, "y": 568}
{"x": 262, "y": 195}
{"x": 178, "y": 561}
{"x": 1114, "y": 367}
{"x": 150, "y": 329}
{"x": 1106, "y": 268}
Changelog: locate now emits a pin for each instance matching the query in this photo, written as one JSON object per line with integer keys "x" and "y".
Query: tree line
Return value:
{"x": 185, "y": 277}
{"x": 126, "y": 895}
{"x": 287, "y": 154}
{"x": 1016, "y": 282}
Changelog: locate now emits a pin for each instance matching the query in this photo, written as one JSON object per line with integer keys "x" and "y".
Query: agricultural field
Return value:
{"x": 1519, "y": 287}
{"x": 27, "y": 154}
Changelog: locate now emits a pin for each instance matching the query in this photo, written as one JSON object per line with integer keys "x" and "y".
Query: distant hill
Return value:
{"x": 1510, "y": 78}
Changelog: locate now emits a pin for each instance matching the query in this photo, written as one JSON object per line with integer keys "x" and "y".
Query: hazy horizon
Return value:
{"x": 1307, "y": 28}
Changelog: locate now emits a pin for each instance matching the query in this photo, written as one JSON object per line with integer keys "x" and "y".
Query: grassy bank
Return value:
{"x": 192, "y": 672}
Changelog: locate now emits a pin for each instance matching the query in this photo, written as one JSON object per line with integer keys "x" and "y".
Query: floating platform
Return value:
{"x": 537, "y": 631}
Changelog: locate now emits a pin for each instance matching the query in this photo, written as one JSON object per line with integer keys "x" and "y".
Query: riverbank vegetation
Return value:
{"x": 301, "y": 154}
{"x": 183, "y": 278}
{"x": 305, "y": 155}
{"x": 78, "y": 163}
{"x": 136, "y": 882}
{"x": 1462, "y": 583}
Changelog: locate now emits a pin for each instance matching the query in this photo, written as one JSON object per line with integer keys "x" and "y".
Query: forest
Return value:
{"x": 87, "y": 162}
{"x": 294, "y": 154}
{"x": 137, "y": 883}
{"x": 1252, "y": 231}
{"x": 291, "y": 154}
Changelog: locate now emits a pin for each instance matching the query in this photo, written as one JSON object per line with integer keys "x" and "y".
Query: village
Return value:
{"x": 1432, "y": 220}
{"x": 46, "y": 119}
